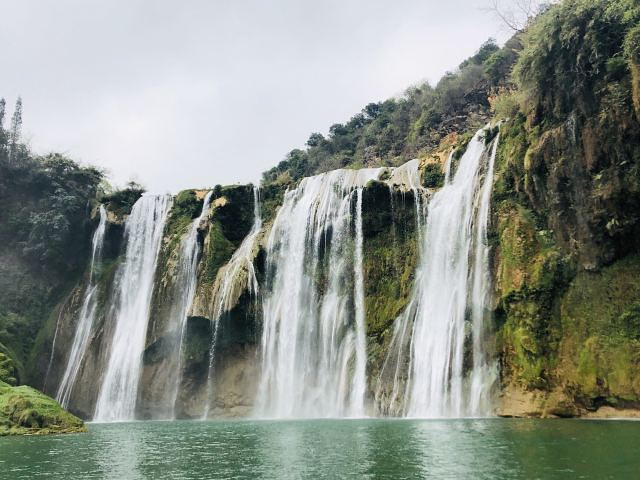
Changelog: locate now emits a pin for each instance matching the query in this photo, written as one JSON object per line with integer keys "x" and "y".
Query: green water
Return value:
{"x": 492, "y": 449}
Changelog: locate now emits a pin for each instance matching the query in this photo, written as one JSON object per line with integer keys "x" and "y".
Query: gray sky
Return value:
{"x": 187, "y": 93}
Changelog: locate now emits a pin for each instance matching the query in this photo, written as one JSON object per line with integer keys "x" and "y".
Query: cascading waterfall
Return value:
{"x": 130, "y": 309}
{"x": 484, "y": 372}
{"x": 451, "y": 291}
{"x": 238, "y": 274}
{"x": 313, "y": 341}
{"x": 85, "y": 318}
{"x": 187, "y": 277}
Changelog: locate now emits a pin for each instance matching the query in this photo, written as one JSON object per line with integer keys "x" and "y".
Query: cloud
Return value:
{"x": 196, "y": 93}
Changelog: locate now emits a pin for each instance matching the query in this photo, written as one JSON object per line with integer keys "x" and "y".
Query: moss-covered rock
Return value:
{"x": 599, "y": 354}
{"x": 529, "y": 271}
{"x": 433, "y": 176}
{"x": 24, "y": 410}
{"x": 229, "y": 222}
{"x": 390, "y": 247}
{"x": 8, "y": 371}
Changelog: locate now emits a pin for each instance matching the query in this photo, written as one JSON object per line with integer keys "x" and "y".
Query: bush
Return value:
{"x": 433, "y": 175}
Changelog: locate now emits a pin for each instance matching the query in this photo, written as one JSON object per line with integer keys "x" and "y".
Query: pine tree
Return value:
{"x": 3, "y": 136}
{"x": 2, "y": 109}
{"x": 16, "y": 130}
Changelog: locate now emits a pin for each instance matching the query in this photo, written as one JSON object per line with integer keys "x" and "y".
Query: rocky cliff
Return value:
{"x": 564, "y": 230}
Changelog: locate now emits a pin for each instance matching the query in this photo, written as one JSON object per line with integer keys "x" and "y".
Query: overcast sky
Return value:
{"x": 188, "y": 93}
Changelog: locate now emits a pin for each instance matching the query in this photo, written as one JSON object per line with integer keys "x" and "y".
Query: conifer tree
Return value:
{"x": 16, "y": 130}
{"x": 2, "y": 109}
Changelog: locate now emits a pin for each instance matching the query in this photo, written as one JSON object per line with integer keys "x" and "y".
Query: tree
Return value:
{"x": 372, "y": 110}
{"x": 315, "y": 139}
{"x": 2, "y": 109}
{"x": 518, "y": 14}
{"x": 3, "y": 135}
{"x": 16, "y": 130}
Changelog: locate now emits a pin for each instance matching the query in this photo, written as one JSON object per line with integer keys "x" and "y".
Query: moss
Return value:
{"x": 390, "y": 258}
{"x": 463, "y": 142}
{"x": 24, "y": 410}
{"x": 186, "y": 207}
{"x": 230, "y": 221}
{"x": 271, "y": 198}
{"x": 530, "y": 271}
{"x": 600, "y": 350}
{"x": 121, "y": 202}
{"x": 432, "y": 175}
{"x": 490, "y": 134}
{"x": 219, "y": 251}
{"x": 8, "y": 370}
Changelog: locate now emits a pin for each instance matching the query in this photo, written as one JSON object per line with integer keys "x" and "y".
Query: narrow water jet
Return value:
{"x": 313, "y": 342}
{"x": 234, "y": 277}
{"x": 85, "y": 318}
{"x": 186, "y": 278}
{"x": 129, "y": 312}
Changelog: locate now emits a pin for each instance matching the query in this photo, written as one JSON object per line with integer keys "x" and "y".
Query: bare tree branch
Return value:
{"x": 517, "y": 14}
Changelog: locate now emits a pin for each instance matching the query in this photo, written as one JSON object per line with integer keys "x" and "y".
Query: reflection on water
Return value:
{"x": 124, "y": 444}
{"x": 492, "y": 448}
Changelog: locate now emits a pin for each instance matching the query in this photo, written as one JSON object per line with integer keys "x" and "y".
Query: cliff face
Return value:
{"x": 566, "y": 216}
{"x": 564, "y": 237}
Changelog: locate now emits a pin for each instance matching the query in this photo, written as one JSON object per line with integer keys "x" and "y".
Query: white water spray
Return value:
{"x": 236, "y": 276}
{"x": 85, "y": 318}
{"x": 313, "y": 341}
{"x": 130, "y": 310}
{"x": 447, "y": 311}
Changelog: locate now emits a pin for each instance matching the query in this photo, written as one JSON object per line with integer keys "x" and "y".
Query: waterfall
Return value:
{"x": 444, "y": 323}
{"x": 85, "y": 318}
{"x": 313, "y": 340}
{"x": 405, "y": 178}
{"x": 234, "y": 277}
{"x": 484, "y": 372}
{"x": 187, "y": 277}
{"x": 130, "y": 309}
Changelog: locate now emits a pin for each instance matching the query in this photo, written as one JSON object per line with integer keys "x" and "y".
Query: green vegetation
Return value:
{"x": 566, "y": 205}
{"x": 433, "y": 176}
{"x": 600, "y": 346}
{"x": 389, "y": 261}
{"x": 7, "y": 370}
{"x": 44, "y": 236}
{"x": 565, "y": 226}
{"x": 186, "y": 206}
{"x": 121, "y": 201}
{"x": 230, "y": 221}
{"x": 391, "y": 132}
{"x": 24, "y": 410}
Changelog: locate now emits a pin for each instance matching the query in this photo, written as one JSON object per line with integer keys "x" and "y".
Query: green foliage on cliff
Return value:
{"x": 391, "y": 132}
{"x": 600, "y": 342}
{"x": 24, "y": 410}
{"x": 121, "y": 201}
{"x": 390, "y": 252}
{"x": 574, "y": 58}
{"x": 7, "y": 370}
{"x": 44, "y": 237}
{"x": 186, "y": 207}
{"x": 432, "y": 175}
{"x": 230, "y": 221}
{"x": 567, "y": 204}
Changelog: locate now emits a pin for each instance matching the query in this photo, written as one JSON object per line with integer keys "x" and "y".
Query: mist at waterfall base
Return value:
{"x": 312, "y": 353}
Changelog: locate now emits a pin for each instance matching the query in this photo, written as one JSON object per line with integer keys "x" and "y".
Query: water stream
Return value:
{"x": 85, "y": 318}
{"x": 130, "y": 309}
